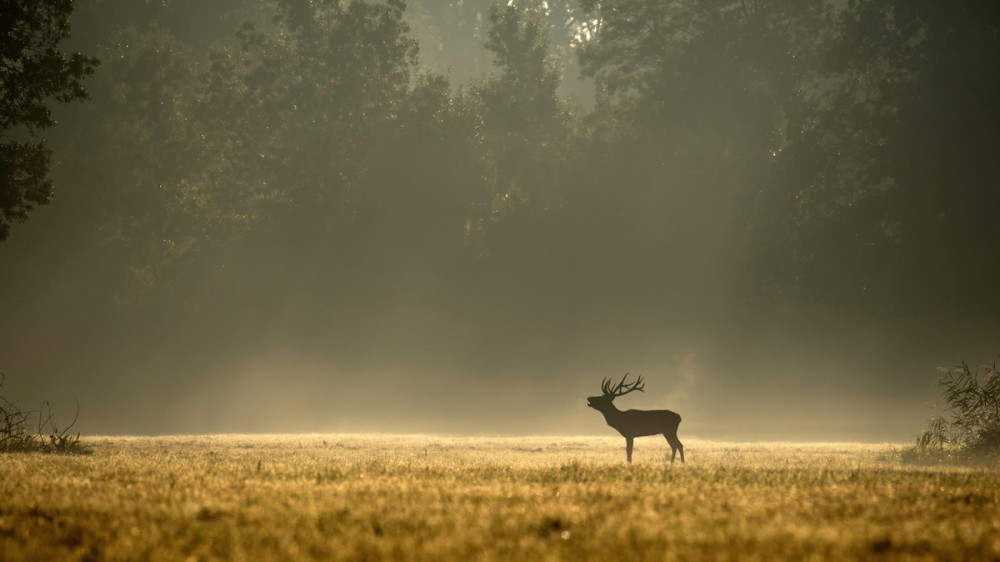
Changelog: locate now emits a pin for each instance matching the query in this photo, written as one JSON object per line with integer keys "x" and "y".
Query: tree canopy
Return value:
{"x": 33, "y": 72}
{"x": 845, "y": 151}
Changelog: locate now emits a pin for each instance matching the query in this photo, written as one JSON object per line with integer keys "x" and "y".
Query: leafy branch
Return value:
{"x": 971, "y": 428}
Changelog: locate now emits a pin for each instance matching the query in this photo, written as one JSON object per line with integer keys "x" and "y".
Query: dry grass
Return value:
{"x": 360, "y": 497}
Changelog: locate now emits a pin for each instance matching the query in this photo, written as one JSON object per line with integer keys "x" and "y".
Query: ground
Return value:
{"x": 400, "y": 497}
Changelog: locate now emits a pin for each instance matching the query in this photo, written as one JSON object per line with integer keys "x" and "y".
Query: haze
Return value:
{"x": 364, "y": 219}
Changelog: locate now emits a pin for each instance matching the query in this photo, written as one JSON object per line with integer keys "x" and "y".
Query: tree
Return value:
{"x": 890, "y": 183}
{"x": 695, "y": 101}
{"x": 526, "y": 123}
{"x": 32, "y": 71}
{"x": 262, "y": 142}
{"x": 146, "y": 198}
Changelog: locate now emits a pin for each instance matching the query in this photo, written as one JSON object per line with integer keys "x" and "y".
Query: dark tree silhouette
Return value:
{"x": 636, "y": 423}
{"x": 32, "y": 70}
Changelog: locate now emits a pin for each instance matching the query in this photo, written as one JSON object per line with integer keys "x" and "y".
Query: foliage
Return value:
{"x": 970, "y": 430}
{"x": 32, "y": 71}
{"x": 892, "y": 167}
{"x": 15, "y": 435}
{"x": 263, "y": 142}
{"x": 292, "y": 170}
{"x": 452, "y": 34}
{"x": 310, "y": 127}
{"x": 525, "y": 123}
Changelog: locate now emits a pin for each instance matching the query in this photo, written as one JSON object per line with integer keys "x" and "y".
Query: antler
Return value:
{"x": 617, "y": 391}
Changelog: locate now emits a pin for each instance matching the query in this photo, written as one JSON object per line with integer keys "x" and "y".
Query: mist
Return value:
{"x": 458, "y": 218}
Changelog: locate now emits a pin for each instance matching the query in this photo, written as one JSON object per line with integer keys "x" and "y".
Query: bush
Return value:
{"x": 971, "y": 431}
{"x": 16, "y": 437}
{"x": 14, "y": 434}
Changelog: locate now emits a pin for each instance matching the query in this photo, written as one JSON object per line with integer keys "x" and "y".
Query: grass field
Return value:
{"x": 385, "y": 497}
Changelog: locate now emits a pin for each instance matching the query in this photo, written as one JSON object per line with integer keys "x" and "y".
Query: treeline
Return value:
{"x": 292, "y": 165}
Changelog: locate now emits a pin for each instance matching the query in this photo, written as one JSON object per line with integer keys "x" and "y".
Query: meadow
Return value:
{"x": 402, "y": 497}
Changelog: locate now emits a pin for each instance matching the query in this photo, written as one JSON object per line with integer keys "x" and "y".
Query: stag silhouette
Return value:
{"x": 636, "y": 423}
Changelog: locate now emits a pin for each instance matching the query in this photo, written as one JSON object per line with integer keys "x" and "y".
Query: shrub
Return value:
{"x": 971, "y": 430}
{"x": 15, "y": 435}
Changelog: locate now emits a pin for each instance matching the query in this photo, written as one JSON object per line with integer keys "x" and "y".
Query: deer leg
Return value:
{"x": 628, "y": 448}
{"x": 675, "y": 445}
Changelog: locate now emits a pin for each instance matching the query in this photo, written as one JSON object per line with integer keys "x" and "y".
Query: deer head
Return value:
{"x": 610, "y": 391}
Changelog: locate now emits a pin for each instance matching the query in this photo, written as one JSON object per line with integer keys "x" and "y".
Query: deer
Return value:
{"x": 636, "y": 423}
